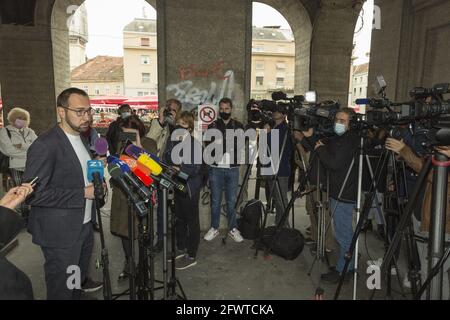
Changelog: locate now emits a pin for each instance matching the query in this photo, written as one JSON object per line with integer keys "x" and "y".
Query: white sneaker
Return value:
{"x": 393, "y": 271}
{"x": 236, "y": 235}
{"x": 211, "y": 234}
{"x": 406, "y": 282}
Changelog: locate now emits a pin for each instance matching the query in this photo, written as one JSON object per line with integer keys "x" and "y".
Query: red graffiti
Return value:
{"x": 193, "y": 71}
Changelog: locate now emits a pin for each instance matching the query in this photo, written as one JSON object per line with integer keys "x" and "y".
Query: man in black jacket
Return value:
{"x": 337, "y": 155}
{"x": 62, "y": 206}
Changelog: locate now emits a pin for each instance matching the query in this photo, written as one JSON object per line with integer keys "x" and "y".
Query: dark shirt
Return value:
{"x": 336, "y": 156}
{"x": 285, "y": 160}
{"x": 112, "y": 135}
{"x": 222, "y": 127}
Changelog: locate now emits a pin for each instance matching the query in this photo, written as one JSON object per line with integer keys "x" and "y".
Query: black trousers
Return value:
{"x": 58, "y": 275}
{"x": 187, "y": 223}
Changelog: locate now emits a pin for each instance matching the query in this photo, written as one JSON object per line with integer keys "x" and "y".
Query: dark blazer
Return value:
{"x": 57, "y": 204}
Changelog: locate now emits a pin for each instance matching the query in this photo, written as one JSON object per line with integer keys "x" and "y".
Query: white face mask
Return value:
{"x": 339, "y": 129}
{"x": 125, "y": 115}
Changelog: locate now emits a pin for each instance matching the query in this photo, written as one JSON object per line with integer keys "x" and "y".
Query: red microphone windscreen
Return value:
{"x": 145, "y": 179}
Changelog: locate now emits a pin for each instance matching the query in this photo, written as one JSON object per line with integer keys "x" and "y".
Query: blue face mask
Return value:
{"x": 339, "y": 129}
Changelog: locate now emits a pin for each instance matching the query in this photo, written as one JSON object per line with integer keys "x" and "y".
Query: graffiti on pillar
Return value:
{"x": 191, "y": 93}
{"x": 376, "y": 23}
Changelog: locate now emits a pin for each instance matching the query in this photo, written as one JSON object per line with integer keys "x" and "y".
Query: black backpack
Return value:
{"x": 249, "y": 223}
{"x": 287, "y": 243}
{"x": 4, "y": 159}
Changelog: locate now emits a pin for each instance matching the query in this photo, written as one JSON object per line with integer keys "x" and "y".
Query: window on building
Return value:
{"x": 360, "y": 80}
{"x": 145, "y": 42}
{"x": 145, "y": 77}
{"x": 86, "y": 88}
{"x": 140, "y": 93}
{"x": 97, "y": 91}
{"x": 145, "y": 60}
{"x": 259, "y": 81}
{"x": 117, "y": 89}
{"x": 354, "y": 91}
{"x": 107, "y": 91}
{"x": 360, "y": 90}
{"x": 280, "y": 82}
{"x": 281, "y": 65}
{"x": 259, "y": 65}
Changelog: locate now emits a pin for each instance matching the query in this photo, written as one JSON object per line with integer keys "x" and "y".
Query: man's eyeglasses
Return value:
{"x": 81, "y": 112}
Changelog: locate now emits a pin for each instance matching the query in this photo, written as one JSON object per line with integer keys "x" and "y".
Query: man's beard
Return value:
{"x": 78, "y": 129}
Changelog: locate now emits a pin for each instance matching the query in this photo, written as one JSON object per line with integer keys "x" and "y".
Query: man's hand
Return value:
{"x": 445, "y": 150}
{"x": 308, "y": 133}
{"x": 318, "y": 144}
{"x": 394, "y": 145}
{"x": 16, "y": 196}
{"x": 298, "y": 135}
{"x": 89, "y": 192}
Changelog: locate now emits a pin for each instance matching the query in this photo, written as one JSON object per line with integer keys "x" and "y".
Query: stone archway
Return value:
{"x": 298, "y": 18}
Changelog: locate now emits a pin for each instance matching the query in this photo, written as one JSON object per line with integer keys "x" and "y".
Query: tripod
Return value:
{"x": 439, "y": 163}
{"x": 170, "y": 286}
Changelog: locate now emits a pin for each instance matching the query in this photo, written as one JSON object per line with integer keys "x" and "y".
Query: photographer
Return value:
{"x": 336, "y": 155}
{"x": 160, "y": 130}
{"x": 112, "y": 135}
{"x": 422, "y": 225}
{"x": 282, "y": 169}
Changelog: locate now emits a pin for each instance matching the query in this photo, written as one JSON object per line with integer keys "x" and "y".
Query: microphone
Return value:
{"x": 118, "y": 176}
{"x": 156, "y": 170}
{"x": 145, "y": 178}
{"x": 95, "y": 174}
{"x": 144, "y": 192}
{"x": 135, "y": 152}
{"x": 132, "y": 163}
{"x": 101, "y": 146}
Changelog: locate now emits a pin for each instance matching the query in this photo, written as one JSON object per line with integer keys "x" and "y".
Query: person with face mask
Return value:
{"x": 63, "y": 209}
{"x": 15, "y": 139}
{"x": 112, "y": 135}
{"x": 224, "y": 174}
{"x": 160, "y": 130}
{"x": 187, "y": 223}
{"x": 336, "y": 155}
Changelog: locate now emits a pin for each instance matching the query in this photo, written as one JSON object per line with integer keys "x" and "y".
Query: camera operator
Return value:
{"x": 112, "y": 135}
{"x": 422, "y": 225}
{"x": 160, "y": 130}
{"x": 282, "y": 169}
{"x": 336, "y": 155}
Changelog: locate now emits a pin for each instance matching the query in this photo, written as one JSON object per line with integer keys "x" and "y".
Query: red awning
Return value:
{"x": 145, "y": 102}
{"x": 113, "y": 100}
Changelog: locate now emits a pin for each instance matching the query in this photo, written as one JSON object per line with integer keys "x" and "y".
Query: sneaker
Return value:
{"x": 211, "y": 234}
{"x": 407, "y": 282}
{"x": 185, "y": 262}
{"x": 313, "y": 249}
{"x": 393, "y": 271}
{"x": 308, "y": 230}
{"x": 178, "y": 255}
{"x": 90, "y": 285}
{"x": 236, "y": 235}
{"x": 125, "y": 272}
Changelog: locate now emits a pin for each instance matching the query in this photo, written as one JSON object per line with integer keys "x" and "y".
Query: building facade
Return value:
{"x": 359, "y": 83}
{"x": 273, "y": 62}
{"x": 100, "y": 76}
{"x": 140, "y": 58}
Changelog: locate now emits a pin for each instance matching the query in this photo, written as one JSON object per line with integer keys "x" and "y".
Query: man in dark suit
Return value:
{"x": 62, "y": 207}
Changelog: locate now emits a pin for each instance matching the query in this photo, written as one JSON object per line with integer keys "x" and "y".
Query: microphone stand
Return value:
{"x": 98, "y": 192}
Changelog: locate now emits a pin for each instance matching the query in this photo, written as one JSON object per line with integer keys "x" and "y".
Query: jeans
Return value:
{"x": 343, "y": 230}
{"x": 221, "y": 179}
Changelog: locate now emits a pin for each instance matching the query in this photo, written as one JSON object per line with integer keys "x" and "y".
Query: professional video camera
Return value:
{"x": 428, "y": 111}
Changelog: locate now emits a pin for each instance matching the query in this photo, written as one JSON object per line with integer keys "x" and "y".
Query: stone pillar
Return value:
{"x": 204, "y": 49}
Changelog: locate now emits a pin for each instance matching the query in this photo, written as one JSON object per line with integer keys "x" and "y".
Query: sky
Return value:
{"x": 106, "y": 25}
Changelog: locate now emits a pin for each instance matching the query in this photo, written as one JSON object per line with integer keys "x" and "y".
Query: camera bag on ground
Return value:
{"x": 249, "y": 223}
{"x": 287, "y": 243}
